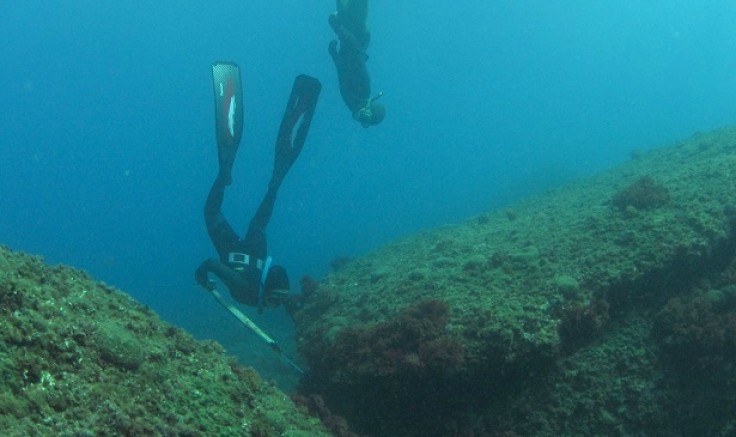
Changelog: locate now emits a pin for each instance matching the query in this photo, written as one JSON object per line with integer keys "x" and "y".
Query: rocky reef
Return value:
{"x": 606, "y": 307}
{"x": 79, "y": 358}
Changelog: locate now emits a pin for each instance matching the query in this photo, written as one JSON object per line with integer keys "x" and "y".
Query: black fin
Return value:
{"x": 300, "y": 108}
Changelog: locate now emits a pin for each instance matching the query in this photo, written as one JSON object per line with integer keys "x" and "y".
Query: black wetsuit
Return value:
{"x": 350, "y": 59}
{"x": 349, "y": 23}
{"x": 242, "y": 262}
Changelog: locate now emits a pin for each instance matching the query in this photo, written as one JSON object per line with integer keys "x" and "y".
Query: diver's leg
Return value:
{"x": 221, "y": 233}
{"x": 301, "y": 105}
{"x": 226, "y": 152}
{"x": 265, "y": 209}
{"x": 226, "y": 158}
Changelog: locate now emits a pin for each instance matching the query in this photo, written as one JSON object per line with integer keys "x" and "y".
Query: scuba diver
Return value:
{"x": 244, "y": 265}
{"x": 349, "y": 23}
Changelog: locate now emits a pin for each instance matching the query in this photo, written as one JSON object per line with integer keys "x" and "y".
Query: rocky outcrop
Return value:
{"x": 554, "y": 316}
{"x": 79, "y": 358}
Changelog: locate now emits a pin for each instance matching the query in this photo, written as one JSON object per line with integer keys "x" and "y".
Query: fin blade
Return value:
{"x": 228, "y": 93}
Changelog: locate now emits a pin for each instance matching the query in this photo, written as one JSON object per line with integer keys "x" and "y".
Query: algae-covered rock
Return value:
{"x": 78, "y": 358}
{"x": 118, "y": 346}
{"x": 555, "y": 294}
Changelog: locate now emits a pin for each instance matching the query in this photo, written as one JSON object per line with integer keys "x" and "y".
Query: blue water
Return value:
{"x": 107, "y": 126}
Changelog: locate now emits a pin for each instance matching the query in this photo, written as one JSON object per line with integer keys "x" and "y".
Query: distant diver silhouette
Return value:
{"x": 350, "y": 57}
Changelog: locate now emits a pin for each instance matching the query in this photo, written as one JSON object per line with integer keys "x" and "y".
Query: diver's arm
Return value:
{"x": 201, "y": 275}
{"x": 335, "y": 23}
{"x": 333, "y": 50}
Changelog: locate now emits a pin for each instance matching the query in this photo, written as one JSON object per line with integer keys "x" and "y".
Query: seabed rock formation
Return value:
{"x": 78, "y": 358}
{"x": 607, "y": 307}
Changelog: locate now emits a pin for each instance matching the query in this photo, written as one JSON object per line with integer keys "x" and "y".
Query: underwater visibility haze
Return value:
{"x": 109, "y": 145}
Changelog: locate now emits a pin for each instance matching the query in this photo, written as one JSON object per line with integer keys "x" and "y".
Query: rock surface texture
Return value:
{"x": 79, "y": 358}
{"x": 606, "y": 307}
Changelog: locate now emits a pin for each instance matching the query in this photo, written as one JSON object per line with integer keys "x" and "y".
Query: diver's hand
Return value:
{"x": 332, "y": 49}
{"x": 336, "y": 24}
{"x": 332, "y": 19}
{"x": 203, "y": 279}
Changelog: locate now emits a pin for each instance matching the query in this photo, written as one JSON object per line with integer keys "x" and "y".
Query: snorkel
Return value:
{"x": 370, "y": 114}
{"x": 373, "y": 99}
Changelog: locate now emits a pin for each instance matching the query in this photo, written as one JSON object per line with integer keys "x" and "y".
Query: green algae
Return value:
{"x": 80, "y": 358}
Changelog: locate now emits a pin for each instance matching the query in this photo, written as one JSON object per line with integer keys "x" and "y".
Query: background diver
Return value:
{"x": 349, "y": 23}
{"x": 243, "y": 265}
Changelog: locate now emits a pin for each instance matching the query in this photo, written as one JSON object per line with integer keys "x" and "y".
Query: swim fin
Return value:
{"x": 228, "y": 114}
{"x": 299, "y": 108}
